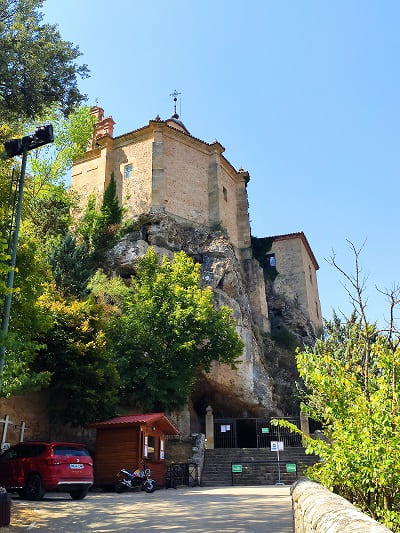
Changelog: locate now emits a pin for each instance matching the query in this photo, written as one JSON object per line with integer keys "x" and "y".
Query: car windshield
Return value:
{"x": 70, "y": 450}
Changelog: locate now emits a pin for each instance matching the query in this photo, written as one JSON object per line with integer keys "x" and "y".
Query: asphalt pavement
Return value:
{"x": 192, "y": 510}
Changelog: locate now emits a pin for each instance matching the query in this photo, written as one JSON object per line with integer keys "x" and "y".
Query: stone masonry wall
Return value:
{"x": 317, "y": 510}
{"x": 88, "y": 177}
{"x": 30, "y": 408}
{"x": 172, "y": 172}
{"x": 135, "y": 194}
{"x": 186, "y": 179}
{"x": 294, "y": 266}
{"x": 228, "y": 203}
{"x": 310, "y": 276}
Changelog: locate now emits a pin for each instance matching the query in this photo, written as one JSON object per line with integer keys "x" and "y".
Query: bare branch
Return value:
{"x": 356, "y": 294}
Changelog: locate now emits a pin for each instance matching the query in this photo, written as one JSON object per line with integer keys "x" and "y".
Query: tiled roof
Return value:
{"x": 135, "y": 420}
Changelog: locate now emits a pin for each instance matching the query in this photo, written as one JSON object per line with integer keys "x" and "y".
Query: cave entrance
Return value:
{"x": 235, "y": 433}
{"x": 246, "y": 433}
{"x": 253, "y": 433}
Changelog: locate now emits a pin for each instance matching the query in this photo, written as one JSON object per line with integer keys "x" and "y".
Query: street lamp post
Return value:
{"x": 43, "y": 135}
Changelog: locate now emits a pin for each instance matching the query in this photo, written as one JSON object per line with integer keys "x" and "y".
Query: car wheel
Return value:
{"x": 78, "y": 494}
{"x": 34, "y": 488}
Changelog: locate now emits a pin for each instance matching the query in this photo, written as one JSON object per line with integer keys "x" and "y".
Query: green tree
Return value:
{"x": 69, "y": 264}
{"x": 37, "y": 68}
{"x": 84, "y": 380}
{"x": 352, "y": 388}
{"x": 98, "y": 228}
{"x": 87, "y": 224}
{"x": 46, "y": 217}
{"x": 360, "y": 458}
{"x": 165, "y": 330}
{"x": 110, "y": 209}
{"x": 27, "y": 321}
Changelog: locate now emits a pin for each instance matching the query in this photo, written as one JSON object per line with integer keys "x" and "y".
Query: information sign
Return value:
{"x": 237, "y": 468}
{"x": 264, "y": 430}
{"x": 290, "y": 467}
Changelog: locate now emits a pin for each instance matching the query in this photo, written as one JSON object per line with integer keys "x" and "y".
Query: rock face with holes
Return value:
{"x": 237, "y": 284}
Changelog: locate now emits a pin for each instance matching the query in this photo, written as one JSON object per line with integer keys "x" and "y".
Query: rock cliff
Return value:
{"x": 249, "y": 387}
{"x": 264, "y": 382}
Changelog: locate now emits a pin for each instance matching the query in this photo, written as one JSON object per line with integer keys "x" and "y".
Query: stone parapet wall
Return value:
{"x": 317, "y": 510}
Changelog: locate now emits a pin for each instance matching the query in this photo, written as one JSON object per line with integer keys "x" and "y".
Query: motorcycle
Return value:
{"x": 127, "y": 480}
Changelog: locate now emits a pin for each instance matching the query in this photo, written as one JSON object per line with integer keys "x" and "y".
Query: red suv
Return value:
{"x": 32, "y": 468}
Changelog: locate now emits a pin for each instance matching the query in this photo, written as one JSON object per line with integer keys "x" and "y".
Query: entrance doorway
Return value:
{"x": 253, "y": 433}
{"x": 246, "y": 433}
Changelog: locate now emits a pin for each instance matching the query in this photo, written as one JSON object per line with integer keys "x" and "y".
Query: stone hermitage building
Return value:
{"x": 195, "y": 200}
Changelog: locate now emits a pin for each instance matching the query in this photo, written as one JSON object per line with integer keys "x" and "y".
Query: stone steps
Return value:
{"x": 259, "y": 466}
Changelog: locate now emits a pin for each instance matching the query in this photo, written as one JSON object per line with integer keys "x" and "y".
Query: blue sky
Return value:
{"x": 304, "y": 95}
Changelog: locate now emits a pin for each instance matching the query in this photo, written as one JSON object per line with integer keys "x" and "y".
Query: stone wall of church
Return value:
{"x": 88, "y": 177}
{"x": 134, "y": 191}
{"x": 172, "y": 172}
{"x": 297, "y": 279}
{"x": 313, "y": 303}
{"x": 186, "y": 179}
{"x": 228, "y": 202}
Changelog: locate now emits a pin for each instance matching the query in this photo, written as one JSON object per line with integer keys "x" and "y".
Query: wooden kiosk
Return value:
{"x": 124, "y": 441}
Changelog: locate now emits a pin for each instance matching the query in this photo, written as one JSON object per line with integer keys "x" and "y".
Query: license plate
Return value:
{"x": 76, "y": 466}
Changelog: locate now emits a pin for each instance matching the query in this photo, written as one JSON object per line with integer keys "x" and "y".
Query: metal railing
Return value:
{"x": 253, "y": 433}
{"x": 182, "y": 474}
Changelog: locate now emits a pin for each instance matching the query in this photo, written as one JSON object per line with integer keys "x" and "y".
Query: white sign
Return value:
{"x": 277, "y": 446}
{"x": 223, "y": 429}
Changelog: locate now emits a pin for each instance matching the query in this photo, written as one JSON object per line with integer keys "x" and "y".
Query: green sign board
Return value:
{"x": 290, "y": 467}
{"x": 236, "y": 468}
{"x": 264, "y": 430}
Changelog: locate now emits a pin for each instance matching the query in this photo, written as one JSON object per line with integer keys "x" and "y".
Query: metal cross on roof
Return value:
{"x": 175, "y": 94}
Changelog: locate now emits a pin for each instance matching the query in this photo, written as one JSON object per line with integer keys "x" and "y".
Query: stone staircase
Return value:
{"x": 259, "y": 466}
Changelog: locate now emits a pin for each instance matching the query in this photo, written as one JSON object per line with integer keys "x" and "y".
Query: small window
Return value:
{"x": 128, "y": 171}
{"x": 316, "y": 309}
{"x": 270, "y": 261}
{"x": 225, "y": 193}
{"x": 162, "y": 455}
{"x": 151, "y": 448}
{"x": 309, "y": 269}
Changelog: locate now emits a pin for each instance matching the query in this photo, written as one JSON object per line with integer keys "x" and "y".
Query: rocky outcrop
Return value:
{"x": 232, "y": 285}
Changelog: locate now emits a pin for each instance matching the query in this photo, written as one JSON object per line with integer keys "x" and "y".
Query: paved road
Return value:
{"x": 189, "y": 510}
